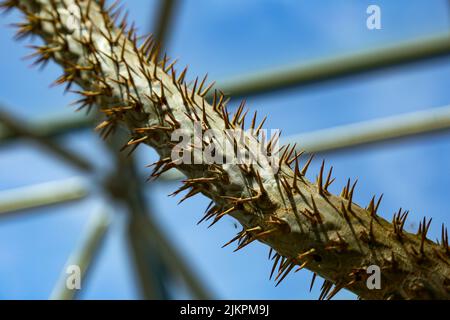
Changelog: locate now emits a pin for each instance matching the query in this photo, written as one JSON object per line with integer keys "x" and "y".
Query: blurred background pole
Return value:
{"x": 156, "y": 260}
{"x": 21, "y": 128}
{"x": 83, "y": 257}
{"x": 323, "y": 70}
{"x": 164, "y": 22}
{"x": 51, "y": 126}
{"x": 124, "y": 186}
{"x": 374, "y": 131}
{"x": 17, "y": 200}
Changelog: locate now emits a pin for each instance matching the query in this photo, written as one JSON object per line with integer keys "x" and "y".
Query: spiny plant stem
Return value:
{"x": 305, "y": 225}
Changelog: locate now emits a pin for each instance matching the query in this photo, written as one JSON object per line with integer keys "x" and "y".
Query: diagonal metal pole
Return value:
{"x": 164, "y": 21}
{"x": 155, "y": 258}
{"x": 40, "y": 195}
{"x": 173, "y": 259}
{"x": 22, "y": 129}
{"x": 124, "y": 186}
{"x": 51, "y": 126}
{"x": 374, "y": 131}
{"x": 338, "y": 67}
{"x": 82, "y": 259}
{"x": 150, "y": 272}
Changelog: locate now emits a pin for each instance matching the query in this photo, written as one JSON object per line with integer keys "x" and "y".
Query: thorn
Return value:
{"x": 202, "y": 83}
{"x": 136, "y": 141}
{"x": 378, "y": 204}
{"x": 423, "y": 230}
{"x": 305, "y": 168}
{"x": 312, "y": 281}
{"x": 238, "y": 113}
{"x": 182, "y": 76}
{"x": 194, "y": 89}
{"x": 252, "y": 125}
{"x": 345, "y": 191}
{"x": 243, "y": 200}
{"x": 305, "y": 254}
{"x": 170, "y": 66}
{"x": 174, "y": 76}
{"x": 297, "y": 155}
{"x": 191, "y": 193}
{"x": 239, "y": 236}
{"x": 208, "y": 214}
{"x": 398, "y": 222}
{"x": 297, "y": 175}
{"x": 200, "y": 180}
{"x": 270, "y": 253}
{"x": 260, "y": 125}
{"x": 103, "y": 125}
{"x": 244, "y": 244}
{"x": 444, "y": 240}
{"x": 275, "y": 263}
{"x": 328, "y": 182}
{"x": 265, "y": 233}
{"x": 326, "y": 287}
{"x": 336, "y": 289}
{"x": 288, "y": 269}
{"x": 289, "y": 155}
{"x": 221, "y": 215}
{"x": 350, "y": 197}
{"x": 371, "y": 207}
{"x": 320, "y": 178}
{"x": 207, "y": 89}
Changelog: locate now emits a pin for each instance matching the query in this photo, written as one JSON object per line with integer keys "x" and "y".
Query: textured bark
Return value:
{"x": 301, "y": 221}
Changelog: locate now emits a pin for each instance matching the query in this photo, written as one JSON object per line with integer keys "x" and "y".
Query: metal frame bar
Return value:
{"x": 337, "y": 68}
{"x": 374, "y": 131}
{"x": 164, "y": 22}
{"x": 40, "y": 195}
{"x": 125, "y": 186}
{"x": 84, "y": 256}
{"x": 51, "y": 126}
{"x": 21, "y": 129}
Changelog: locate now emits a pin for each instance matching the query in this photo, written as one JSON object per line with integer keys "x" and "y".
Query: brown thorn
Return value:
{"x": 288, "y": 270}
{"x": 371, "y": 207}
{"x": 297, "y": 155}
{"x": 320, "y": 179}
{"x": 239, "y": 235}
{"x": 312, "y": 281}
{"x": 305, "y": 168}
{"x": 378, "y": 203}
{"x": 207, "y": 89}
{"x": 275, "y": 263}
{"x": 350, "y": 196}
{"x": 270, "y": 253}
{"x": 220, "y": 215}
{"x": 328, "y": 182}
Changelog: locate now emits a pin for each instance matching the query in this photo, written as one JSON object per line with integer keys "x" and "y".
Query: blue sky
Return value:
{"x": 228, "y": 38}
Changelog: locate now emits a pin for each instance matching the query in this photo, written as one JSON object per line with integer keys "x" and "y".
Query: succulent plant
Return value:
{"x": 304, "y": 225}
